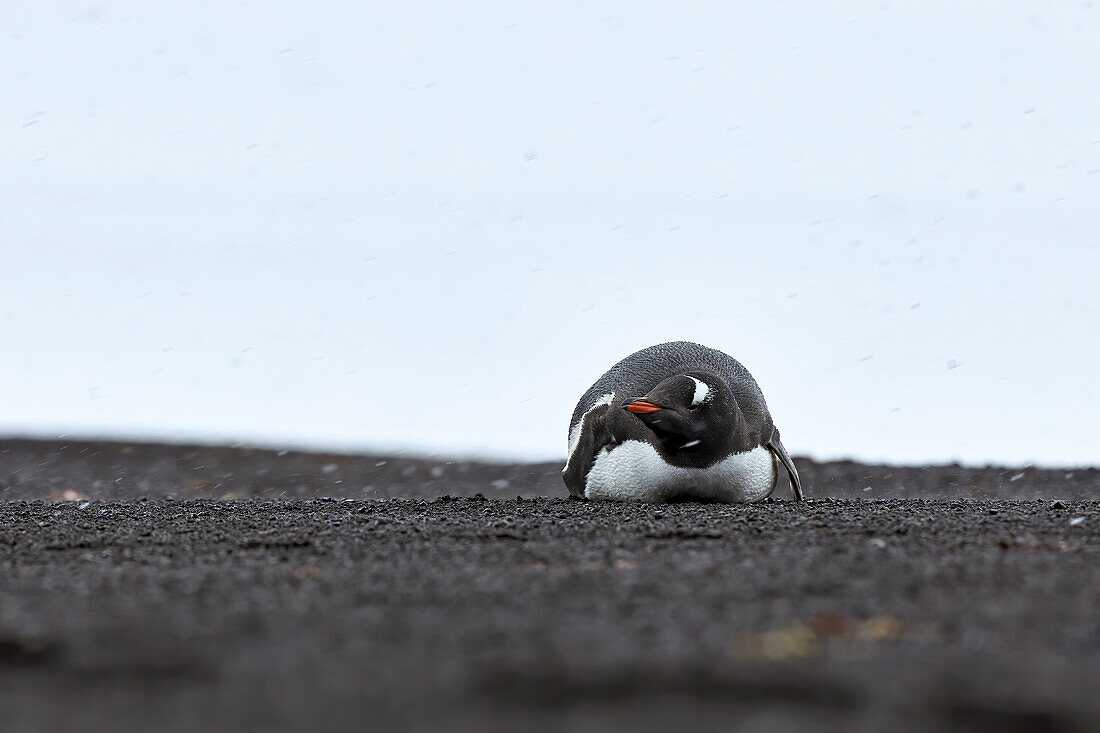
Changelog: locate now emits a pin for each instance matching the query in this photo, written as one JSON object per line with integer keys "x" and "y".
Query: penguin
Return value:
{"x": 672, "y": 422}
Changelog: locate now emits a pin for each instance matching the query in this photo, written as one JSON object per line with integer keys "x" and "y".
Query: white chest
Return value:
{"x": 634, "y": 471}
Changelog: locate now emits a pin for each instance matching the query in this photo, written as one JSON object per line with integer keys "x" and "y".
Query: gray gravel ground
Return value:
{"x": 547, "y": 614}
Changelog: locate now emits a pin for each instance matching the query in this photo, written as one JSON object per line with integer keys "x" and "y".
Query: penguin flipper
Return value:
{"x": 775, "y": 445}
{"x": 591, "y": 440}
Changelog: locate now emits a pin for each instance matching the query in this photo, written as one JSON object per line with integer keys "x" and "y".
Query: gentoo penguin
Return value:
{"x": 675, "y": 421}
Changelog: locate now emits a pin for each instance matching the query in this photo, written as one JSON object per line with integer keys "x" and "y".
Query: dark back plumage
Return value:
{"x": 640, "y": 372}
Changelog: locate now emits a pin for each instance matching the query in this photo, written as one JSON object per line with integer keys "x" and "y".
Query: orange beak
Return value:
{"x": 642, "y": 408}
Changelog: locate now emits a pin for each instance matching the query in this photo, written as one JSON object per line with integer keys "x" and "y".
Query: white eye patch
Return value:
{"x": 701, "y": 391}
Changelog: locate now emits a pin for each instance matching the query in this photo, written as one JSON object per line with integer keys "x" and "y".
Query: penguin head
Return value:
{"x": 691, "y": 414}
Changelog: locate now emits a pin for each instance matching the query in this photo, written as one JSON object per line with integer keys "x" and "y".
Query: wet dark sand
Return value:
{"x": 142, "y": 604}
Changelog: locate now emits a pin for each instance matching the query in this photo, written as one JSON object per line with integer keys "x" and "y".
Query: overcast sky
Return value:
{"x": 431, "y": 226}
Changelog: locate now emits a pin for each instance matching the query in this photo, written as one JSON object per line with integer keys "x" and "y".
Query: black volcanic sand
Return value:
{"x": 32, "y": 469}
{"x": 124, "y": 609}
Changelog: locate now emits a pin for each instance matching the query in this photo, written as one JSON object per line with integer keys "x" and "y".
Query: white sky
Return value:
{"x": 432, "y": 225}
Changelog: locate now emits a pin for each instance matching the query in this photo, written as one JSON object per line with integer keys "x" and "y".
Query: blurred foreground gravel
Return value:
{"x": 445, "y": 613}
